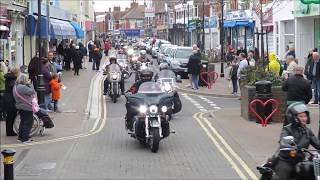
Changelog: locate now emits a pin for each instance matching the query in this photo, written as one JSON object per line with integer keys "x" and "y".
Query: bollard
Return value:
{"x": 8, "y": 163}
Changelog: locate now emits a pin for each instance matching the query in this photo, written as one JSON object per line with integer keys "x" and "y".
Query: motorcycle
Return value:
{"x": 309, "y": 168}
{"x": 167, "y": 80}
{"x": 150, "y": 107}
{"x": 114, "y": 76}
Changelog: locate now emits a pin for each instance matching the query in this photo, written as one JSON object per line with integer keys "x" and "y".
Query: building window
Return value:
{"x": 196, "y": 10}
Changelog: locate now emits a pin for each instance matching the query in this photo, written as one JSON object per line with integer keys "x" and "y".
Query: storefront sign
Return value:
{"x": 304, "y": 10}
{"x": 89, "y": 25}
{"x": 210, "y": 22}
{"x": 241, "y": 15}
{"x": 149, "y": 12}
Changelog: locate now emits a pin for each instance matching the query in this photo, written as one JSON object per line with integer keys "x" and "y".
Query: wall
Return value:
{"x": 304, "y": 38}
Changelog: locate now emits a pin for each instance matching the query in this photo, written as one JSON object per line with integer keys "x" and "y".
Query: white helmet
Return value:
{"x": 143, "y": 52}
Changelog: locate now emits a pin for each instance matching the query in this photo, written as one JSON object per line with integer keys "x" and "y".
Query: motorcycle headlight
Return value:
{"x": 164, "y": 109}
{"x": 143, "y": 109}
{"x": 153, "y": 109}
{"x": 114, "y": 76}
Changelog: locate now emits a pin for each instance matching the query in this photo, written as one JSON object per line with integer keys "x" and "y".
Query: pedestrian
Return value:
{"x": 24, "y": 94}
{"x": 291, "y": 51}
{"x": 33, "y": 70}
{"x": 233, "y": 76}
{"x": 243, "y": 65}
{"x": 309, "y": 61}
{"x": 67, "y": 58}
{"x": 298, "y": 89}
{"x": 55, "y": 89}
{"x": 194, "y": 68}
{"x": 241, "y": 50}
{"x": 47, "y": 77}
{"x": 274, "y": 65}
{"x": 252, "y": 61}
{"x": 77, "y": 60}
{"x": 10, "y": 108}
{"x": 106, "y": 47}
{"x": 314, "y": 76}
{"x": 84, "y": 53}
{"x": 97, "y": 56}
{"x": 51, "y": 66}
{"x": 291, "y": 64}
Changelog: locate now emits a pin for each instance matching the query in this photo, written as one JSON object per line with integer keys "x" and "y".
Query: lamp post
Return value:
{"x": 262, "y": 41}
{"x": 203, "y": 34}
{"x": 222, "y": 40}
{"x": 184, "y": 23}
{"x": 40, "y": 81}
{"x": 188, "y": 25}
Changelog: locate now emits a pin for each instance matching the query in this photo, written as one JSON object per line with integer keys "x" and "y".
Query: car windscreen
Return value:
{"x": 183, "y": 53}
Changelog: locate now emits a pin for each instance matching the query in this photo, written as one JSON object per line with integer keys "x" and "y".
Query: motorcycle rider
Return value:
{"x": 299, "y": 117}
{"x": 113, "y": 60}
{"x": 143, "y": 56}
{"x": 145, "y": 76}
{"x": 165, "y": 71}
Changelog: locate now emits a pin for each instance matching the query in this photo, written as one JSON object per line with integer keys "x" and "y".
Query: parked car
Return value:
{"x": 161, "y": 53}
{"x": 179, "y": 60}
{"x": 157, "y": 45}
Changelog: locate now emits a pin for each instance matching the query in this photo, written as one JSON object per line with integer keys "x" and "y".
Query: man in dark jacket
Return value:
{"x": 33, "y": 71}
{"x": 194, "y": 68}
{"x": 298, "y": 89}
{"x": 47, "y": 77}
{"x": 314, "y": 76}
{"x": 77, "y": 60}
{"x": 10, "y": 108}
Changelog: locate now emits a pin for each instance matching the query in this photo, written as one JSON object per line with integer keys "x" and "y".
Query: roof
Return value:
{"x": 135, "y": 13}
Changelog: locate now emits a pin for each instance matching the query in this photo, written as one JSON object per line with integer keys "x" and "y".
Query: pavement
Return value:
{"x": 221, "y": 88}
{"x": 211, "y": 141}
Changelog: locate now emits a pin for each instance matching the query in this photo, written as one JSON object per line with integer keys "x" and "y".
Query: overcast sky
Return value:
{"x": 104, "y": 5}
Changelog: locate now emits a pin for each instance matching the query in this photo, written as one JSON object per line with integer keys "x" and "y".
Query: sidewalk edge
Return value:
{"x": 207, "y": 94}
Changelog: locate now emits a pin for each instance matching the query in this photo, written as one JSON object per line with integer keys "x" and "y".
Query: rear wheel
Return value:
{"x": 154, "y": 140}
{"x": 35, "y": 127}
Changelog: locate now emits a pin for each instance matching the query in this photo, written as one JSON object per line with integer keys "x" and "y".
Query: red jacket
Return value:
{"x": 106, "y": 46}
{"x": 55, "y": 89}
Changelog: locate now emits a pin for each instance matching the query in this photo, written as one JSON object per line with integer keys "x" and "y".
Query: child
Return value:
{"x": 55, "y": 89}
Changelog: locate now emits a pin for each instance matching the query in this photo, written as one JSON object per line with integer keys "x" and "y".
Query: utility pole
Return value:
{"x": 203, "y": 34}
{"x": 262, "y": 41}
{"x": 222, "y": 39}
{"x": 40, "y": 81}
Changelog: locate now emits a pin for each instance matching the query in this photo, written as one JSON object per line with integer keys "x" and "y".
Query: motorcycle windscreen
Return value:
{"x": 134, "y": 101}
{"x": 150, "y": 88}
{"x": 114, "y": 68}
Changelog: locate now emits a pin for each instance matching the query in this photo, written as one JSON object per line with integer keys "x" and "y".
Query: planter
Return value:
{"x": 248, "y": 93}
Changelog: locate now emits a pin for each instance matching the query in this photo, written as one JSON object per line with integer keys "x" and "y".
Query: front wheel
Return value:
{"x": 154, "y": 140}
{"x": 115, "y": 93}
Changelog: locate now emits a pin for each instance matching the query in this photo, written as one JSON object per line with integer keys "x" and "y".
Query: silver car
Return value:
{"x": 179, "y": 60}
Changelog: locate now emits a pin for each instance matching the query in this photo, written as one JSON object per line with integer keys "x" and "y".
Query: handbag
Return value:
{"x": 34, "y": 102}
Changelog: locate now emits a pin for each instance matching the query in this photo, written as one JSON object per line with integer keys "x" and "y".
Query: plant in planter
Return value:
{"x": 253, "y": 74}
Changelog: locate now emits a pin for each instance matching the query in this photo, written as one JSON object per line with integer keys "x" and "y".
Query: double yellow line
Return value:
{"x": 97, "y": 127}
{"x": 224, "y": 148}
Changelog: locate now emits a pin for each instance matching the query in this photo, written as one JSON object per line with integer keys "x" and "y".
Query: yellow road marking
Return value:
{"x": 229, "y": 159}
{"x": 231, "y": 151}
{"x": 93, "y": 131}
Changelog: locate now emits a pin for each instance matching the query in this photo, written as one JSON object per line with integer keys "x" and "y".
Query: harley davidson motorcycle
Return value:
{"x": 114, "y": 76}
{"x": 149, "y": 107}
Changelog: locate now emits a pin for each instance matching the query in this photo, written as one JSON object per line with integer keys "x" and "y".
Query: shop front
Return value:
{"x": 307, "y": 27}
{"x": 239, "y": 29}
{"x": 5, "y": 25}
{"x": 179, "y": 33}
{"x": 162, "y": 32}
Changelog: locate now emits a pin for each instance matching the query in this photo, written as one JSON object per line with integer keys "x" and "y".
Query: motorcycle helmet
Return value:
{"x": 143, "y": 52}
{"x": 163, "y": 66}
{"x": 295, "y": 109}
{"x": 112, "y": 59}
{"x": 146, "y": 75}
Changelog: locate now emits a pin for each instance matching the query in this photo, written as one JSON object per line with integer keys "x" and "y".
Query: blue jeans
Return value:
{"x": 234, "y": 85}
{"x": 47, "y": 100}
{"x": 195, "y": 81}
{"x": 316, "y": 87}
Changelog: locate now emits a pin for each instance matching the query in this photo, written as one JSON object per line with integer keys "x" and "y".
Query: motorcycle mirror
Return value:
{"x": 126, "y": 76}
{"x": 179, "y": 80}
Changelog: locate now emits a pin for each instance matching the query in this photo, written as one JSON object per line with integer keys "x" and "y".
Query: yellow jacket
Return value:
{"x": 274, "y": 65}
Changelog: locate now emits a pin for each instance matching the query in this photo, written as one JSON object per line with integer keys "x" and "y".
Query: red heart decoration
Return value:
{"x": 211, "y": 76}
{"x": 274, "y": 103}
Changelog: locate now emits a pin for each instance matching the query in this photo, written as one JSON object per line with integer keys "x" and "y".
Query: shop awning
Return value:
{"x": 79, "y": 31}
{"x": 59, "y": 29}
{"x": 229, "y": 24}
{"x": 238, "y": 24}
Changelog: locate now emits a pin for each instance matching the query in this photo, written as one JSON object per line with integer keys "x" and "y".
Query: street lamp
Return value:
{"x": 184, "y": 22}
{"x": 40, "y": 81}
{"x": 203, "y": 34}
{"x": 222, "y": 40}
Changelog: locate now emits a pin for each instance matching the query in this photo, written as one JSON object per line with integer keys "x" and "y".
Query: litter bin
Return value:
{"x": 204, "y": 68}
{"x": 263, "y": 92}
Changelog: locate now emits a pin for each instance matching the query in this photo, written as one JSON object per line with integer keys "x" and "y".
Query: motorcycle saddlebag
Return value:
{"x": 133, "y": 103}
